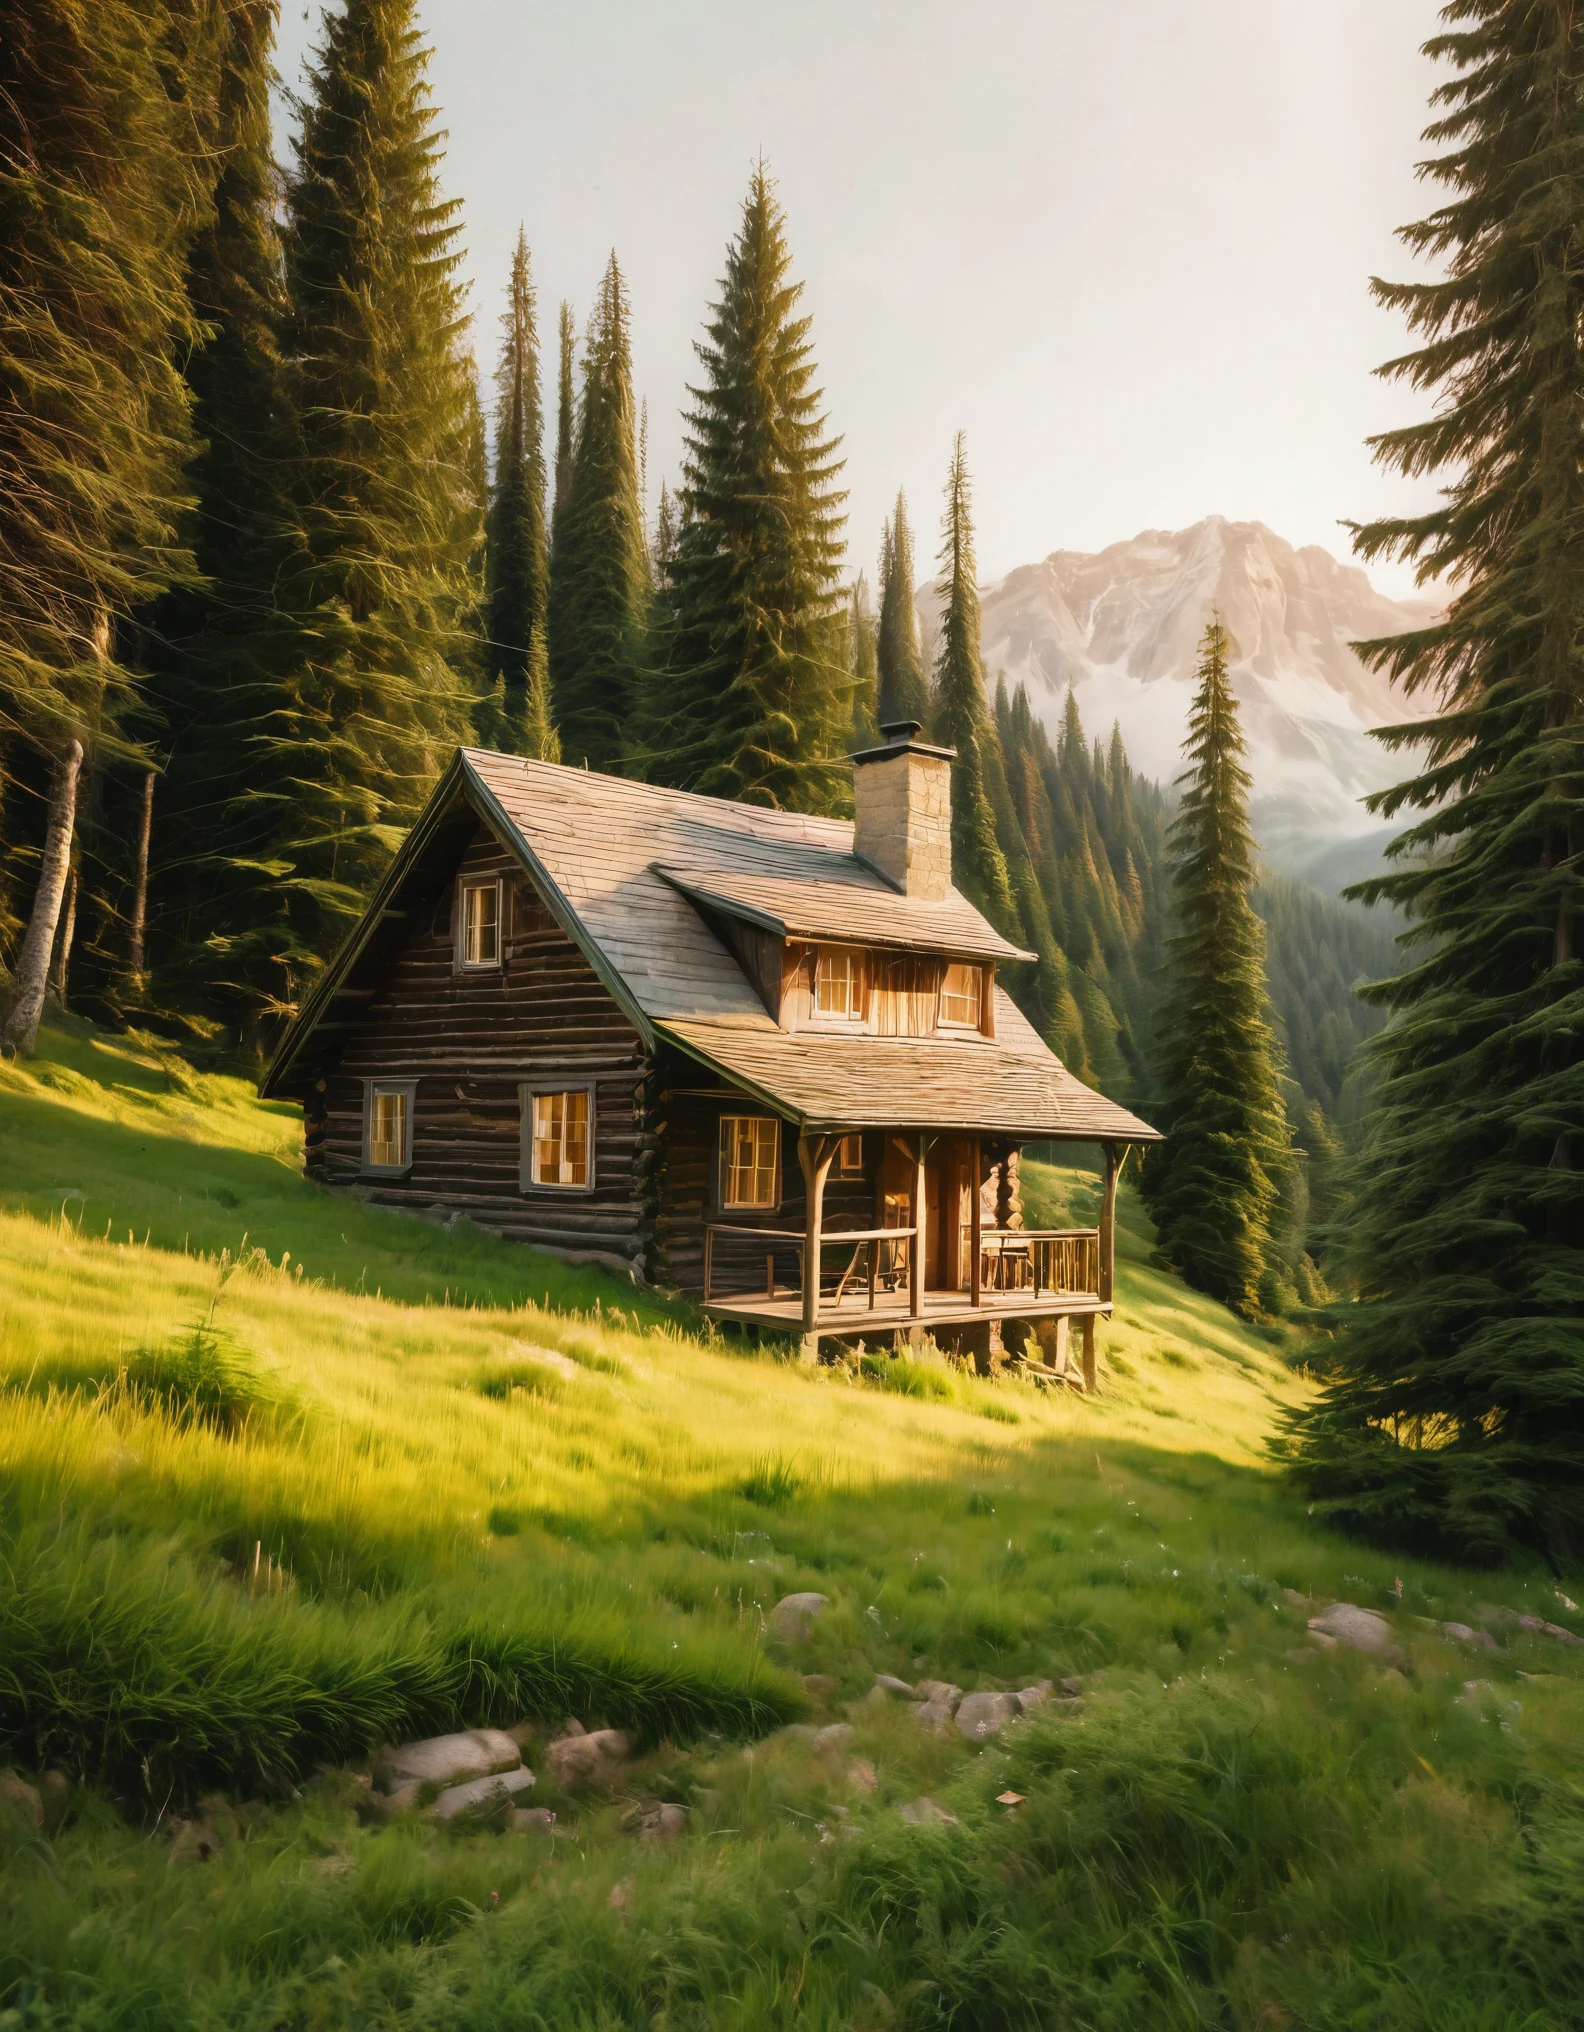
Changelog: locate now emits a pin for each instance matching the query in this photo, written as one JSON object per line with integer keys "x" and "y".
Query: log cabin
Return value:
{"x": 756, "y": 1056}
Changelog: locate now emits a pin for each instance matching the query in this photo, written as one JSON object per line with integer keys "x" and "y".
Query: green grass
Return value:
{"x": 282, "y": 1475}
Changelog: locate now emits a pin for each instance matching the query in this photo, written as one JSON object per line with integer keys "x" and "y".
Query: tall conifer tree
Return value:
{"x": 904, "y": 694}
{"x": 599, "y": 576}
{"x": 566, "y": 414}
{"x": 518, "y": 573}
{"x": 961, "y": 718}
{"x": 1456, "y": 1415}
{"x": 756, "y": 699}
{"x": 382, "y": 495}
{"x": 863, "y": 662}
{"x": 1212, "y": 1187}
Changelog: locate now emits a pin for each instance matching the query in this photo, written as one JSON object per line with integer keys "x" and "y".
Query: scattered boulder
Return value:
{"x": 1294, "y": 1600}
{"x": 897, "y": 1688}
{"x": 939, "y": 1703}
{"x": 446, "y": 1760}
{"x": 1532, "y": 1626}
{"x": 531, "y": 1820}
{"x": 480, "y": 1797}
{"x": 22, "y": 1798}
{"x": 1359, "y": 1629}
{"x": 195, "y": 1841}
{"x": 821, "y": 1687}
{"x": 1558, "y": 1634}
{"x": 570, "y": 1727}
{"x": 793, "y": 1616}
{"x": 1031, "y": 1697}
{"x": 1465, "y": 1635}
{"x": 834, "y": 1738}
{"x": 591, "y": 1759}
{"x": 55, "y": 1795}
{"x": 658, "y": 1821}
{"x": 924, "y": 1812}
{"x": 986, "y": 1714}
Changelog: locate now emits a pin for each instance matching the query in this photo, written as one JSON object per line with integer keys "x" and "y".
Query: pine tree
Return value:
{"x": 863, "y": 662}
{"x": 961, "y": 720}
{"x": 756, "y": 702}
{"x": 518, "y": 569}
{"x": 106, "y": 166}
{"x": 566, "y": 416}
{"x": 904, "y": 695}
{"x": 1456, "y": 1413}
{"x": 1212, "y": 1187}
{"x": 384, "y": 506}
{"x": 599, "y": 570}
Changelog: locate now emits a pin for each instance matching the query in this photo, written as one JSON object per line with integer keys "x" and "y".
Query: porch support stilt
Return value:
{"x": 975, "y": 1224}
{"x": 1087, "y": 1325}
{"x": 816, "y": 1154}
{"x": 916, "y": 1253}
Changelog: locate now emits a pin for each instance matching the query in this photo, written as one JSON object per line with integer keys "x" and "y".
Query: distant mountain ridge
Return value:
{"x": 1121, "y": 627}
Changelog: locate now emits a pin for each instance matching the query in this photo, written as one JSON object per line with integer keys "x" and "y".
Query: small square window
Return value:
{"x": 479, "y": 941}
{"x": 849, "y": 1158}
{"x": 839, "y": 984}
{"x": 387, "y": 1125}
{"x": 962, "y": 997}
{"x": 750, "y": 1160}
{"x": 557, "y": 1126}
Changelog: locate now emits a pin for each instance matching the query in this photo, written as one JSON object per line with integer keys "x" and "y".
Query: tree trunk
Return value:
{"x": 21, "y": 1029}
{"x": 140, "y": 881}
{"x": 63, "y": 947}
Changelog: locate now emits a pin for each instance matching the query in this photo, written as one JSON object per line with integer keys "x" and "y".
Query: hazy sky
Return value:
{"x": 1124, "y": 244}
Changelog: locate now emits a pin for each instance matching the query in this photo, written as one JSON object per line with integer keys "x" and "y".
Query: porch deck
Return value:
{"x": 892, "y": 1312}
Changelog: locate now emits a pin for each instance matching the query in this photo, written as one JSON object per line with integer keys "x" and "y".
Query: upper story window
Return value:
{"x": 479, "y": 929}
{"x": 839, "y": 983}
{"x": 849, "y": 1157}
{"x": 750, "y": 1161}
{"x": 557, "y": 1135}
{"x": 962, "y": 997}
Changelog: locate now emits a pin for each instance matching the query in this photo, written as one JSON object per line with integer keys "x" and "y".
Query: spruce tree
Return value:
{"x": 566, "y": 415}
{"x": 599, "y": 570}
{"x": 863, "y": 663}
{"x": 904, "y": 694}
{"x": 518, "y": 569}
{"x": 1212, "y": 1187}
{"x": 961, "y": 719}
{"x": 756, "y": 703}
{"x": 1455, "y": 1415}
{"x": 382, "y": 502}
{"x": 106, "y": 164}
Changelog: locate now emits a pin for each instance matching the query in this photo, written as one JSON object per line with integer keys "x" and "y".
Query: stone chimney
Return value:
{"x": 902, "y": 800}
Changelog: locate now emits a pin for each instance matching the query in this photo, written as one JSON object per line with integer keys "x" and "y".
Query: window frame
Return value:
{"x": 841, "y": 1019}
{"x": 372, "y": 1090}
{"x": 953, "y": 1023}
{"x": 723, "y": 1203}
{"x": 466, "y": 886}
{"x": 841, "y": 1168}
{"x": 528, "y": 1091}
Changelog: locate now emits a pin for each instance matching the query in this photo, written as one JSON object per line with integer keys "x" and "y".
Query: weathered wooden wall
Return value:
{"x": 469, "y": 1039}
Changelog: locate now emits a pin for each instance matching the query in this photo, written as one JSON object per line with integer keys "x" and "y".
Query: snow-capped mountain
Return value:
{"x": 1121, "y": 627}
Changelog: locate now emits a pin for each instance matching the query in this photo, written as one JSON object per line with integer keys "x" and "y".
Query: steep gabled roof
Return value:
{"x": 595, "y": 847}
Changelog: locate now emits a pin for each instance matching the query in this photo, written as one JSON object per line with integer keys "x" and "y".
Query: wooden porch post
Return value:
{"x": 816, "y": 1154}
{"x": 916, "y": 1253}
{"x": 1115, "y": 1158}
{"x": 975, "y": 1225}
{"x": 1087, "y": 1324}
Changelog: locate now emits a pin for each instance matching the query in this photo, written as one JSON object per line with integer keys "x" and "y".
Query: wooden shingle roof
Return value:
{"x": 596, "y": 847}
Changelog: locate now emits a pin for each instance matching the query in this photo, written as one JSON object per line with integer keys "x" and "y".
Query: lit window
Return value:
{"x": 481, "y": 924}
{"x": 961, "y": 999}
{"x": 750, "y": 1146}
{"x": 849, "y": 1158}
{"x": 388, "y": 1125}
{"x": 838, "y": 984}
{"x": 561, "y": 1138}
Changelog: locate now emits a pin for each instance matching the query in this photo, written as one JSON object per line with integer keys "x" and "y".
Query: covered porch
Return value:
{"x": 930, "y": 1263}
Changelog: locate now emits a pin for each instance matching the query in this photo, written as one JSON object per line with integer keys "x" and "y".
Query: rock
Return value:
{"x": 1070, "y": 1689}
{"x": 403, "y": 1797}
{"x": 793, "y": 1616}
{"x": 821, "y": 1687}
{"x": 1465, "y": 1635}
{"x": 897, "y": 1688}
{"x": 446, "y": 1760}
{"x": 480, "y": 1797}
{"x": 1359, "y": 1629}
{"x": 834, "y": 1738}
{"x": 939, "y": 1703}
{"x": 570, "y": 1727}
{"x": 659, "y": 1821}
{"x": 986, "y": 1714}
{"x": 861, "y": 1772}
{"x": 22, "y": 1798}
{"x": 926, "y": 1813}
{"x": 588, "y": 1759}
{"x": 55, "y": 1795}
{"x": 1561, "y": 1636}
{"x": 1294, "y": 1600}
{"x": 1031, "y": 1697}
{"x": 195, "y": 1841}
{"x": 933, "y": 1689}
{"x": 620, "y": 1895}
{"x": 531, "y": 1820}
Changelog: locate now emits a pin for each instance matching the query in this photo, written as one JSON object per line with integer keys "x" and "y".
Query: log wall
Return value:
{"x": 469, "y": 1039}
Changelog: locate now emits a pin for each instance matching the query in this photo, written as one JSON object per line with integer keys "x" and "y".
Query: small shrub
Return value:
{"x": 1003, "y": 1414}
{"x": 502, "y": 1379}
{"x": 202, "y": 1377}
{"x": 770, "y": 1482}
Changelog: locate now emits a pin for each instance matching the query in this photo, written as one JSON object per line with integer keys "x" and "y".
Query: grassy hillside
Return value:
{"x": 282, "y": 1476}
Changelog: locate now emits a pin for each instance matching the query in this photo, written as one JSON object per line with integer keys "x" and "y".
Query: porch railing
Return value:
{"x": 1059, "y": 1261}
{"x": 887, "y": 1261}
{"x": 1037, "y": 1262}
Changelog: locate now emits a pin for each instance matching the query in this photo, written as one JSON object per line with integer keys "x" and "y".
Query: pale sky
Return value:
{"x": 1124, "y": 244}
